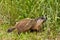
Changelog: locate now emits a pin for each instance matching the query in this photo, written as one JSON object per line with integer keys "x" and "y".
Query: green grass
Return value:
{"x": 44, "y": 35}
{"x": 12, "y": 11}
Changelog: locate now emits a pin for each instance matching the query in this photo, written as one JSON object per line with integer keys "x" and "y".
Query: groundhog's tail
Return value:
{"x": 10, "y": 30}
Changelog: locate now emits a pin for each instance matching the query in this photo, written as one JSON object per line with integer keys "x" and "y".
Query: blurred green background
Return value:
{"x": 12, "y": 11}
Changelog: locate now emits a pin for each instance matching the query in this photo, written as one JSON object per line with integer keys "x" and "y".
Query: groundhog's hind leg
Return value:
{"x": 35, "y": 30}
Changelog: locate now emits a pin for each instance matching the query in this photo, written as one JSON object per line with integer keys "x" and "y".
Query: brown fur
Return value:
{"x": 23, "y": 25}
{"x": 28, "y": 24}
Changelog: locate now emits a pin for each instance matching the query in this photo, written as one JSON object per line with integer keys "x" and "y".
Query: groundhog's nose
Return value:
{"x": 44, "y": 18}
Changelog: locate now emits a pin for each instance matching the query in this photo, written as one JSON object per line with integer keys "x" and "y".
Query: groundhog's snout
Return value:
{"x": 44, "y": 18}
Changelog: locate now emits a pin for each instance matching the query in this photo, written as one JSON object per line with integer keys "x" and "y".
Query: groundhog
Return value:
{"x": 28, "y": 24}
{"x": 23, "y": 25}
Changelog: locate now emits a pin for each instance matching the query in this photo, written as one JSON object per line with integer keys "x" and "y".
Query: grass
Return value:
{"x": 12, "y": 11}
{"x": 44, "y": 35}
